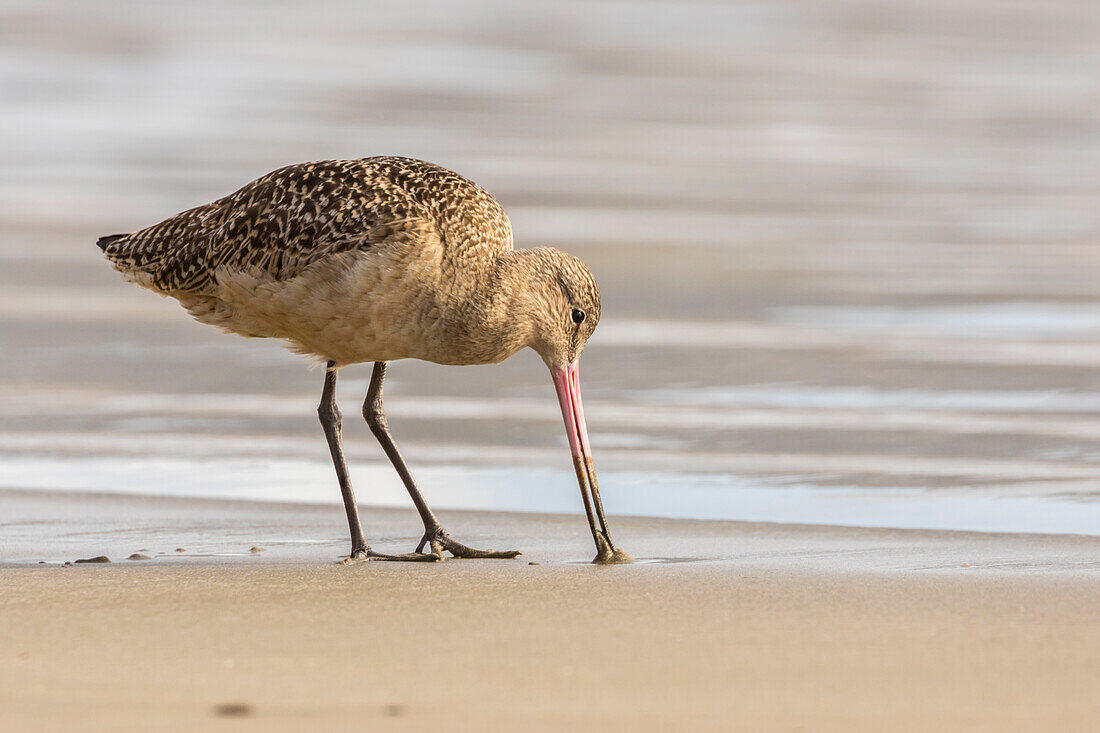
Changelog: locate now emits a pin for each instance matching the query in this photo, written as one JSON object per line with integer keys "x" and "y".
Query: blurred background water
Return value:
{"x": 847, "y": 250}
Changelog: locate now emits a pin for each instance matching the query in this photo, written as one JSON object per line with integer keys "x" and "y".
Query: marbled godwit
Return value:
{"x": 375, "y": 260}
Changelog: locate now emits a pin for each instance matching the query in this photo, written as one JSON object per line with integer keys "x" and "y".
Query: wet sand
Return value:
{"x": 721, "y": 626}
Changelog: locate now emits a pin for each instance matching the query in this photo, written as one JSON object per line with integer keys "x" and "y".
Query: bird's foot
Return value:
{"x": 607, "y": 553}
{"x": 369, "y": 555}
{"x": 438, "y": 540}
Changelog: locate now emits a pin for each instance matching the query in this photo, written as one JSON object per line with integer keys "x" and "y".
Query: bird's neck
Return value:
{"x": 494, "y": 315}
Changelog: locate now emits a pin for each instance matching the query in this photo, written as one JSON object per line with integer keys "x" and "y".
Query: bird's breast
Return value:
{"x": 381, "y": 304}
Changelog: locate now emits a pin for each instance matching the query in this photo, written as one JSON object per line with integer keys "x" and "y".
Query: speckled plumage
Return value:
{"x": 295, "y": 216}
{"x": 363, "y": 260}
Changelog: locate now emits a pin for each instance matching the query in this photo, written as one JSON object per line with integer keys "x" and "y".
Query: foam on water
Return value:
{"x": 976, "y": 320}
{"x": 539, "y": 490}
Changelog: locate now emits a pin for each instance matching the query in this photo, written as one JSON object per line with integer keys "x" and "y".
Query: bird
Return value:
{"x": 376, "y": 260}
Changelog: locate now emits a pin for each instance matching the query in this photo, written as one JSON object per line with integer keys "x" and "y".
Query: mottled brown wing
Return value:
{"x": 295, "y": 216}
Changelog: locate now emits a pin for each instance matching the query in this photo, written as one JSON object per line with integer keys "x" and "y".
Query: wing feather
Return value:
{"x": 283, "y": 222}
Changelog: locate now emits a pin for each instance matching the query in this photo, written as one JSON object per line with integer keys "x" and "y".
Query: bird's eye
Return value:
{"x": 578, "y": 315}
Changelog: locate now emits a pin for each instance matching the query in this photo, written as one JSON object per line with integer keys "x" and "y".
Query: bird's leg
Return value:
{"x": 435, "y": 536}
{"x": 329, "y": 413}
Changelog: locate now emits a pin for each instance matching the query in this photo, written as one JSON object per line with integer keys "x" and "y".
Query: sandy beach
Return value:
{"x": 720, "y": 626}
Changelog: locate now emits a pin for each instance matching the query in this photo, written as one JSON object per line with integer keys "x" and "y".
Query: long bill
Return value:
{"x": 568, "y": 386}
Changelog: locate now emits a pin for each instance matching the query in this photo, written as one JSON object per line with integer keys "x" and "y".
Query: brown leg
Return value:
{"x": 330, "y": 416}
{"x": 434, "y": 535}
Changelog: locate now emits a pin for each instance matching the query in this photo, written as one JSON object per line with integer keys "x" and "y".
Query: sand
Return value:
{"x": 722, "y": 626}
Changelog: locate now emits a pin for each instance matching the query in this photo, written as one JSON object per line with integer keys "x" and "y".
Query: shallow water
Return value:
{"x": 848, "y": 251}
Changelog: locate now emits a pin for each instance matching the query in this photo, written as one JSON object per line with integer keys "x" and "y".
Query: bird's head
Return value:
{"x": 561, "y": 305}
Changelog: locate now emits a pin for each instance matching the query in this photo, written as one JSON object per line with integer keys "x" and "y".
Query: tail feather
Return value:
{"x": 104, "y": 242}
